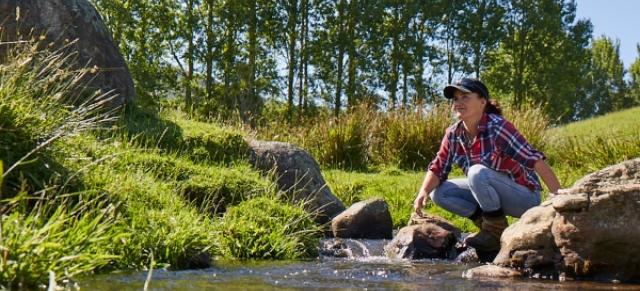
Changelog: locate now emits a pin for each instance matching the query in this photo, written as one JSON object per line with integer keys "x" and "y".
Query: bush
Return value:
{"x": 266, "y": 228}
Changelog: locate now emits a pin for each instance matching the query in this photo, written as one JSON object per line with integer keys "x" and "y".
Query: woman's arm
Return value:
{"x": 431, "y": 181}
{"x": 546, "y": 173}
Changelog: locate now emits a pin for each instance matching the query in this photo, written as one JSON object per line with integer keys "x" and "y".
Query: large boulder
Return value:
{"x": 62, "y": 21}
{"x": 422, "y": 241}
{"x": 590, "y": 232}
{"x": 298, "y": 174}
{"x": 365, "y": 219}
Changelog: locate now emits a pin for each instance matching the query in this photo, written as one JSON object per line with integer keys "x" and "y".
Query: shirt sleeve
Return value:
{"x": 514, "y": 145}
{"x": 441, "y": 164}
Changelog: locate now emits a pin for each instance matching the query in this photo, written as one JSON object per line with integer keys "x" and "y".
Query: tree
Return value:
{"x": 541, "y": 60}
{"x": 481, "y": 31}
{"x": 607, "y": 88}
{"x": 634, "y": 85}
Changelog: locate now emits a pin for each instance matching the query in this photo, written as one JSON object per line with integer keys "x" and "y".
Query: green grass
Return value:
{"x": 89, "y": 194}
{"x": 397, "y": 187}
{"x": 612, "y": 125}
{"x": 579, "y": 148}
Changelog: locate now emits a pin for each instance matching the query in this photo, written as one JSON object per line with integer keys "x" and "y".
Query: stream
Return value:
{"x": 363, "y": 267}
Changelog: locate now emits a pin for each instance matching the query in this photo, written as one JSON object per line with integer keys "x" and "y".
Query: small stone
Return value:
{"x": 490, "y": 271}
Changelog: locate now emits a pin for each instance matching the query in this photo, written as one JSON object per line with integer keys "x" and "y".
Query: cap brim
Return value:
{"x": 449, "y": 90}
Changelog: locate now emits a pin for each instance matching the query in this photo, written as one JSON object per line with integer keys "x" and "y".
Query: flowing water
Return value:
{"x": 363, "y": 267}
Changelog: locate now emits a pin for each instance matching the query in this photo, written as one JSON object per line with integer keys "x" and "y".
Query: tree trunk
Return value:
{"x": 291, "y": 32}
{"x": 210, "y": 42}
{"x": 251, "y": 80}
{"x": 340, "y": 58}
{"x": 303, "y": 56}
{"x": 351, "y": 83}
{"x": 190, "y": 55}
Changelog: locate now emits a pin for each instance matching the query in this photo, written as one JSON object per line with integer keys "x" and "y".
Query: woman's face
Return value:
{"x": 467, "y": 105}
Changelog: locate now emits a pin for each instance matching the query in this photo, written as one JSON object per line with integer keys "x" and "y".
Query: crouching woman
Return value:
{"x": 500, "y": 166}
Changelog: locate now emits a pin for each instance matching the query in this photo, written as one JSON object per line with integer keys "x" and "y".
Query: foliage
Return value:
{"x": 227, "y": 58}
{"x": 606, "y": 87}
{"x": 264, "y": 228}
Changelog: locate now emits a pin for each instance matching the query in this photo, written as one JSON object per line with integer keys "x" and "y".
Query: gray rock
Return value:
{"x": 422, "y": 241}
{"x": 591, "y": 232}
{"x": 298, "y": 174}
{"x": 365, "y": 219}
{"x": 62, "y": 21}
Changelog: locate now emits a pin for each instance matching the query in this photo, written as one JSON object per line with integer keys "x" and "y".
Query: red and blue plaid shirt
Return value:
{"x": 498, "y": 146}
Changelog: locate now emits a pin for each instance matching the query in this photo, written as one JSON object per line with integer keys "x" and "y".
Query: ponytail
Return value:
{"x": 493, "y": 107}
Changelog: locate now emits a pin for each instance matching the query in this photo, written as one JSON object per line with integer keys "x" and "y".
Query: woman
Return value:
{"x": 500, "y": 166}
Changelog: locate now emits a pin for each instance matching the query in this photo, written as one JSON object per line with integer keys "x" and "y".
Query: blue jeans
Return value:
{"x": 485, "y": 188}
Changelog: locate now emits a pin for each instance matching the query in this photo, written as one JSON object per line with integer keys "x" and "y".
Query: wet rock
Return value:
{"x": 468, "y": 256}
{"x": 200, "y": 260}
{"x": 298, "y": 174}
{"x": 335, "y": 248}
{"x": 365, "y": 219}
{"x": 434, "y": 219}
{"x": 531, "y": 232}
{"x": 592, "y": 232}
{"x": 61, "y": 21}
{"x": 490, "y": 271}
{"x": 422, "y": 241}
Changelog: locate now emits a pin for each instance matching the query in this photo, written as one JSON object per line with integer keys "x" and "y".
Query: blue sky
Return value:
{"x": 616, "y": 19}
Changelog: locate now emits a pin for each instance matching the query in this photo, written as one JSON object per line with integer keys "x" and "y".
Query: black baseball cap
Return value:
{"x": 467, "y": 85}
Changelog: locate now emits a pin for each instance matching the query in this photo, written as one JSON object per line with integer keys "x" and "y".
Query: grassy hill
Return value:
{"x": 615, "y": 124}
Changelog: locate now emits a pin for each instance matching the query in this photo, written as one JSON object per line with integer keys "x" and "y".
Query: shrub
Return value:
{"x": 266, "y": 228}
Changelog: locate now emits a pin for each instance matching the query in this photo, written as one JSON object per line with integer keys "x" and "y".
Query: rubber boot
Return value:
{"x": 488, "y": 239}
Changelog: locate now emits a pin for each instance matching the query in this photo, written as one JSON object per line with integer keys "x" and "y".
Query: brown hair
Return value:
{"x": 493, "y": 107}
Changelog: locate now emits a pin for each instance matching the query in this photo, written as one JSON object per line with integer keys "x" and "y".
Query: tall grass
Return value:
{"x": 43, "y": 99}
{"x": 56, "y": 235}
{"x": 148, "y": 188}
{"x": 264, "y": 228}
{"x": 407, "y": 138}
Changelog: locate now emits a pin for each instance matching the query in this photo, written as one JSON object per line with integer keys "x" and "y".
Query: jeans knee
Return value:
{"x": 478, "y": 174}
{"x": 437, "y": 196}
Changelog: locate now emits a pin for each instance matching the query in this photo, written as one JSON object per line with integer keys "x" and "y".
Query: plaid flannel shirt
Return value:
{"x": 498, "y": 146}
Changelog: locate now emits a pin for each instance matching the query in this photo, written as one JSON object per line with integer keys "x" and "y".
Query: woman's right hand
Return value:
{"x": 419, "y": 202}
